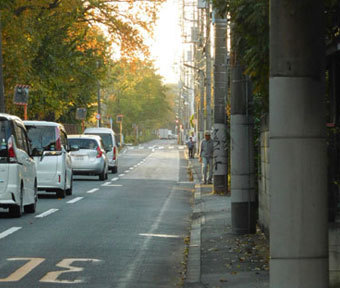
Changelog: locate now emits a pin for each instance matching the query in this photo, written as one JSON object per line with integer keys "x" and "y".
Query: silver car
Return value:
{"x": 91, "y": 158}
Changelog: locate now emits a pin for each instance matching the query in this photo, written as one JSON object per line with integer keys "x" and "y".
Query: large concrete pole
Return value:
{"x": 242, "y": 154}
{"x": 298, "y": 228}
{"x": 220, "y": 117}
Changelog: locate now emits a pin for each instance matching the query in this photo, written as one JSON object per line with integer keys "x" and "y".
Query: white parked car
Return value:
{"x": 51, "y": 154}
{"x": 90, "y": 157}
{"x": 109, "y": 140}
{"x": 18, "y": 177}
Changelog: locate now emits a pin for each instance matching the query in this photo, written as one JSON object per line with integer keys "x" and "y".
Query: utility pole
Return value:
{"x": 220, "y": 117}
{"x": 99, "y": 108}
{"x": 298, "y": 154}
{"x": 2, "y": 91}
{"x": 208, "y": 68}
{"x": 242, "y": 161}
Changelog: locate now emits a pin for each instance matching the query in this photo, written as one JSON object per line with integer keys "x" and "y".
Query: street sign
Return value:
{"x": 119, "y": 118}
{"x": 20, "y": 96}
{"x": 81, "y": 113}
{"x": 98, "y": 116}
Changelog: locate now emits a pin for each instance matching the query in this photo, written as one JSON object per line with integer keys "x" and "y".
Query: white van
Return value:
{"x": 109, "y": 140}
{"x": 18, "y": 177}
{"x": 51, "y": 154}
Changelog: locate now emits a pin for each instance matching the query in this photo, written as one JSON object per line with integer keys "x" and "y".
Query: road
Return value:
{"x": 128, "y": 231}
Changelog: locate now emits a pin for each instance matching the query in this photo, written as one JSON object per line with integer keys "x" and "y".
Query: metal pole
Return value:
{"x": 2, "y": 91}
{"x": 208, "y": 68}
{"x": 99, "y": 108}
{"x": 298, "y": 153}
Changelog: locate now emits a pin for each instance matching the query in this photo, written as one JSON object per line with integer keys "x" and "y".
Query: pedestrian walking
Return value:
{"x": 191, "y": 146}
{"x": 206, "y": 157}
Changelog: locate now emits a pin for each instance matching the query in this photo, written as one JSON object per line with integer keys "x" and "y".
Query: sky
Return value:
{"x": 166, "y": 45}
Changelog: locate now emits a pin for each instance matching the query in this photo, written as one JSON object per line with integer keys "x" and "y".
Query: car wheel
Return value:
{"x": 16, "y": 211}
{"x": 31, "y": 208}
{"x": 69, "y": 191}
{"x": 102, "y": 175}
{"x": 61, "y": 193}
{"x": 114, "y": 169}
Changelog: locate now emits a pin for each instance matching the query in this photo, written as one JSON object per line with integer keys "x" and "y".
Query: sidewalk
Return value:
{"x": 218, "y": 258}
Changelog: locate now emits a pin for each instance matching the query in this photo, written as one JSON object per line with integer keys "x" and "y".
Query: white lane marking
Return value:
{"x": 161, "y": 147}
{"x": 114, "y": 185}
{"x": 159, "y": 235}
{"x": 141, "y": 147}
{"x": 9, "y": 231}
{"x": 131, "y": 168}
{"x": 181, "y": 148}
{"x": 105, "y": 184}
{"x": 46, "y": 213}
{"x": 121, "y": 175}
{"x": 126, "y": 171}
{"x": 75, "y": 200}
{"x": 115, "y": 179}
{"x": 92, "y": 190}
{"x": 171, "y": 147}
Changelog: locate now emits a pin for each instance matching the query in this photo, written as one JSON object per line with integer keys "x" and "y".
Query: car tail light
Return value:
{"x": 59, "y": 179}
{"x": 114, "y": 153}
{"x": 58, "y": 141}
{"x": 11, "y": 153}
{"x": 99, "y": 152}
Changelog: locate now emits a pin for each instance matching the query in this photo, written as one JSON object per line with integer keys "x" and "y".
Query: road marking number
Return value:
{"x": 23, "y": 270}
{"x": 50, "y": 277}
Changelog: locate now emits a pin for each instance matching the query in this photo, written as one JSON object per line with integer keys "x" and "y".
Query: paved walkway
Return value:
{"x": 217, "y": 257}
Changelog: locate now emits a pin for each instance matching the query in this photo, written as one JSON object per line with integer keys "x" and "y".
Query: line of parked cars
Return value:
{"x": 39, "y": 155}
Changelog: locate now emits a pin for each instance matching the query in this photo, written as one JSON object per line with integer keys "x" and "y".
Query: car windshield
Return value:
{"x": 43, "y": 138}
{"x": 107, "y": 139}
{"x": 83, "y": 143}
{"x": 4, "y": 135}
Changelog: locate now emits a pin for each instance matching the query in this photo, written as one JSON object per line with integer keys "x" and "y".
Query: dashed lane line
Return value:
{"x": 115, "y": 179}
{"x": 75, "y": 200}
{"x": 121, "y": 175}
{"x": 9, "y": 232}
{"x": 92, "y": 190}
{"x": 46, "y": 213}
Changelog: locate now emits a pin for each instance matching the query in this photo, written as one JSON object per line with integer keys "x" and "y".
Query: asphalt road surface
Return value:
{"x": 127, "y": 231}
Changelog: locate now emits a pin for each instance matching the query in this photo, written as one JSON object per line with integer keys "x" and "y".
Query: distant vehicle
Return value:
{"x": 18, "y": 176}
{"x": 89, "y": 157}
{"x": 110, "y": 145}
{"x": 163, "y": 133}
{"x": 51, "y": 154}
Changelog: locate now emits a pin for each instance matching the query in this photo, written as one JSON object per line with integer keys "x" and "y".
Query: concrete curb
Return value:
{"x": 193, "y": 277}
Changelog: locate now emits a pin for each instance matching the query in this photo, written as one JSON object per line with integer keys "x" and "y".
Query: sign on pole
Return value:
{"x": 119, "y": 118}
{"x": 20, "y": 96}
{"x": 81, "y": 113}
